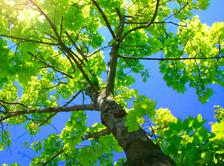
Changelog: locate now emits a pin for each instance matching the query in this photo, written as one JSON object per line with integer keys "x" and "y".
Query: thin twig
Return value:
{"x": 85, "y": 137}
{"x": 50, "y": 66}
{"x": 77, "y": 48}
{"x": 13, "y": 103}
{"x": 96, "y": 51}
{"x": 28, "y": 40}
{"x": 144, "y": 26}
{"x": 53, "y": 157}
{"x": 169, "y": 22}
{"x": 178, "y": 11}
{"x": 96, "y": 135}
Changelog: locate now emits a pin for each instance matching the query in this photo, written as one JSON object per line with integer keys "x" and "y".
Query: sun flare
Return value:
{"x": 26, "y": 11}
{"x": 10, "y": 2}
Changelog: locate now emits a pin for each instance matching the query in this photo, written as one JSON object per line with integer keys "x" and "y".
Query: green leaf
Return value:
{"x": 52, "y": 50}
{"x": 218, "y": 130}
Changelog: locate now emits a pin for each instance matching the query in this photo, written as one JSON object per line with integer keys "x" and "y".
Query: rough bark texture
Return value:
{"x": 139, "y": 149}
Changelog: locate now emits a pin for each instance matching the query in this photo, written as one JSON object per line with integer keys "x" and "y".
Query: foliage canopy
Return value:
{"x": 52, "y": 52}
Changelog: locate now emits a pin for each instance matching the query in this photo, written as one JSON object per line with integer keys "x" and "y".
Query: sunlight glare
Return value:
{"x": 27, "y": 14}
{"x": 10, "y": 2}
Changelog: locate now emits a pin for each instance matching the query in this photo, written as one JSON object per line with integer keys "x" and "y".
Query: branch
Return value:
{"x": 113, "y": 60}
{"x": 96, "y": 51}
{"x": 144, "y": 26}
{"x": 112, "y": 70}
{"x": 156, "y": 22}
{"x": 10, "y": 114}
{"x": 72, "y": 98}
{"x": 169, "y": 22}
{"x": 53, "y": 27}
{"x": 70, "y": 54}
{"x": 174, "y": 59}
{"x": 114, "y": 55}
{"x": 50, "y": 66}
{"x": 96, "y": 135}
{"x": 77, "y": 48}
{"x": 92, "y": 135}
{"x": 79, "y": 66}
{"x": 28, "y": 40}
{"x": 178, "y": 11}
{"x": 53, "y": 157}
{"x": 104, "y": 18}
{"x": 67, "y": 103}
{"x": 13, "y": 103}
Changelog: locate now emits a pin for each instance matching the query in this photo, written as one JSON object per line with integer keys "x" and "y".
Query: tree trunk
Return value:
{"x": 139, "y": 149}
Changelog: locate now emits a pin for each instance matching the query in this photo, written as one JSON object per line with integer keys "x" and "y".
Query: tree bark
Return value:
{"x": 139, "y": 149}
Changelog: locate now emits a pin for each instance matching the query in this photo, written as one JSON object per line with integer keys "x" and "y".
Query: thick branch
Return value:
{"x": 113, "y": 61}
{"x": 10, "y": 114}
{"x": 172, "y": 59}
{"x": 113, "y": 57}
{"x": 112, "y": 70}
{"x": 104, "y": 18}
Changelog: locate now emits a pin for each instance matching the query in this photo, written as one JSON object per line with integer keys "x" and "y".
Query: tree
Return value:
{"x": 54, "y": 51}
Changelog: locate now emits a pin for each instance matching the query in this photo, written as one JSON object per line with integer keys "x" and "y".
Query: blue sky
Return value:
{"x": 187, "y": 104}
{"x": 181, "y": 105}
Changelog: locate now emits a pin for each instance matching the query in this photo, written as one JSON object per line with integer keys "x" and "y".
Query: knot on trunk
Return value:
{"x": 111, "y": 111}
